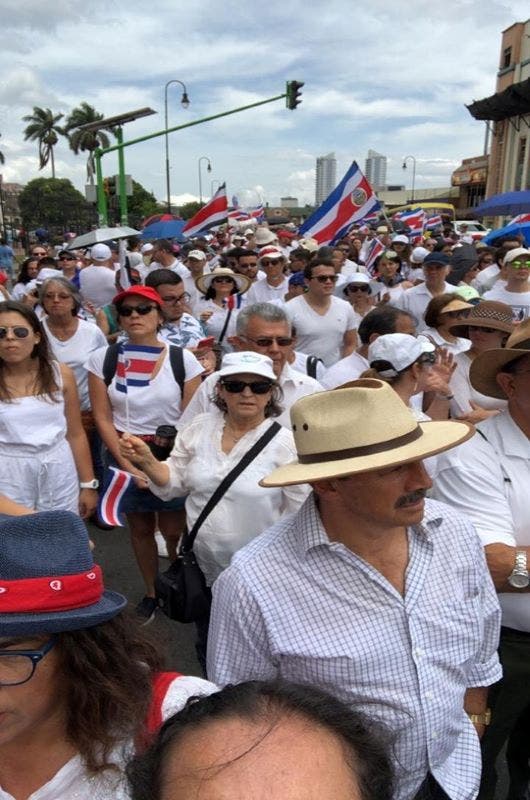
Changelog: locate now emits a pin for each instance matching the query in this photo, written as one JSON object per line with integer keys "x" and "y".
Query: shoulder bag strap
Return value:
{"x": 250, "y": 455}
{"x": 110, "y": 362}
{"x": 225, "y": 326}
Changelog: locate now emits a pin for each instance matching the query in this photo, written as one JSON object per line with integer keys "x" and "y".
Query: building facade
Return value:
{"x": 375, "y": 169}
{"x": 326, "y": 177}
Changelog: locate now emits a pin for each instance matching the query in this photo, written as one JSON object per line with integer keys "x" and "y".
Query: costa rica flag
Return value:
{"x": 215, "y": 212}
{"x": 109, "y": 505}
{"x": 135, "y": 365}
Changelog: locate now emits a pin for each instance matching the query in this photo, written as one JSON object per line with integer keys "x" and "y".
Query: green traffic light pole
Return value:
{"x": 121, "y": 145}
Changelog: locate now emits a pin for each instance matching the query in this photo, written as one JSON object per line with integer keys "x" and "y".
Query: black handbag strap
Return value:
{"x": 225, "y": 326}
{"x": 250, "y": 455}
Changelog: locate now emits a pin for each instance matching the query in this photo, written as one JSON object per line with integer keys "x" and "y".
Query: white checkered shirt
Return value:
{"x": 295, "y": 605}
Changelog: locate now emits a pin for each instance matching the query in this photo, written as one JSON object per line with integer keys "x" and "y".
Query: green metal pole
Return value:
{"x": 102, "y": 200}
{"x": 121, "y": 178}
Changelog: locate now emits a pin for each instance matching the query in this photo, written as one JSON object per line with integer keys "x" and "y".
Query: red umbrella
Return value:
{"x": 159, "y": 218}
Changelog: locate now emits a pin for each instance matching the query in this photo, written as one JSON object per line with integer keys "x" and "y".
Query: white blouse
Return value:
{"x": 463, "y": 391}
{"x": 197, "y": 465}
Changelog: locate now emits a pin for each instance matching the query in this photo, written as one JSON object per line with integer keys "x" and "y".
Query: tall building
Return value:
{"x": 326, "y": 178}
{"x": 375, "y": 169}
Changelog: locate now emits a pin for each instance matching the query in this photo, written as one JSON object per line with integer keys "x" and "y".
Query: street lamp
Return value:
{"x": 208, "y": 168}
{"x": 212, "y": 183}
{"x": 184, "y": 101}
{"x": 413, "y": 173}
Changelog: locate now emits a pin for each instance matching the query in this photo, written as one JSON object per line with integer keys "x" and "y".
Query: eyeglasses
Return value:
{"x": 325, "y": 278}
{"x": 519, "y": 264}
{"x": 483, "y": 329}
{"x": 182, "y": 298}
{"x": 267, "y": 262}
{"x": 223, "y": 280}
{"x": 362, "y": 288}
{"x": 267, "y": 341}
{"x": 18, "y": 331}
{"x": 256, "y": 387}
{"x": 142, "y": 310}
{"x": 18, "y": 666}
{"x": 67, "y": 258}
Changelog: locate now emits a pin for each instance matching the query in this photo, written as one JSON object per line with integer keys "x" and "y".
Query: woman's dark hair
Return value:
{"x": 210, "y": 292}
{"x": 23, "y": 276}
{"x": 365, "y": 748}
{"x": 67, "y": 286}
{"x": 45, "y": 382}
{"x": 272, "y": 409}
{"x": 106, "y": 674}
{"x": 436, "y": 306}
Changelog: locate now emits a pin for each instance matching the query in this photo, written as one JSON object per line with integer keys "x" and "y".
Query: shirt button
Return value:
{"x": 428, "y": 695}
{"x": 418, "y": 652}
{"x": 434, "y": 736}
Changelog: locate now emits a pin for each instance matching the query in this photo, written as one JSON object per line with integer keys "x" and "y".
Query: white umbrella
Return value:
{"x": 101, "y": 235}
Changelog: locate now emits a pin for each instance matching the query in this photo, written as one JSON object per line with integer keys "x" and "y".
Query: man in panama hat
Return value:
{"x": 370, "y": 591}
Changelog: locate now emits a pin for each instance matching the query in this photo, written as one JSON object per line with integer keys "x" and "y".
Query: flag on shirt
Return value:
{"x": 434, "y": 222}
{"x": 375, "y": 249}
{"x": 135, "y": 365}
{"x": 215, "y": 212}
{"x": 414, "y": 220}
{"x": 519, "y": 219}
{"x": 109, "y": 505}
{"x": 352, "y": 200}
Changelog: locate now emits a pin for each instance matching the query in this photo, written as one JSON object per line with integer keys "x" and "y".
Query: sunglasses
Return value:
{"x": 519, "y": 264}
{"x": 256, "y": 387}
{"x": 142, "y": 310}
{"x": 18, "y": 332}
{"x": 483, "y": 329}
{"x": 266, "y": 262}
{"x": 362, "y": 288}
{"x": 325, "y": 278}
{"x": 67, "y": 258}
{"x": 36, "y": 255}
{"x": 223, "y": 280}
{"x": 267, "y": 341}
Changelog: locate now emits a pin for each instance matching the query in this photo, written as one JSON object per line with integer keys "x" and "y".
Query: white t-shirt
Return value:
{"x": 486, "y": 278}
{"x": 321, "y": 335}
{"x": 416, "y": 300}
{"x": 74, "y": 352}
{"x": 215, "y": 324}
{"x": 434, "y": 337}
{"x": 149, "y": 406}
{"x": 345, "y": 370}
{"x": 262, "y": 292}
{"x": 519, "y": 301}
{"x": 463, "y": 391}
{"x": 97, "y": 285}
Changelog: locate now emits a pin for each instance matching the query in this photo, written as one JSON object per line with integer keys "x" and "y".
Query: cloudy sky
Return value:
{"x": 382, "y": 75}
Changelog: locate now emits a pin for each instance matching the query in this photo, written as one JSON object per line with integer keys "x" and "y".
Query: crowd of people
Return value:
{"x": 365, "y": 571}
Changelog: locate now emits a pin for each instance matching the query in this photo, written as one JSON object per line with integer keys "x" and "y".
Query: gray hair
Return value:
{"x": 65, "y": 284}
{"x": 265, "y": 311}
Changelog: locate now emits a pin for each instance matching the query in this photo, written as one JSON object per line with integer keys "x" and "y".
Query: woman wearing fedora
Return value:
{"x": 222, "y": 294}
{"x": 80, "y": 686}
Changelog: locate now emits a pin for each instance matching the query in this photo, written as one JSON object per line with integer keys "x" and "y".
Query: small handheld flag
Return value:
{"x": 109, "y": 505}
{"x": 135, "y": 365}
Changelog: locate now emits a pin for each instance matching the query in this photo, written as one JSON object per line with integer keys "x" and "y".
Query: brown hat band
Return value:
{"x": 365, "y": 450}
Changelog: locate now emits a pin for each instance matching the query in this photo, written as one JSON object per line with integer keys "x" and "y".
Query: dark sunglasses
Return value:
{"x": 266, "y": 262}
{"x": 256, "y": 387}
{"x": 325, "y": 278}
{"x": 223, "y": 280}
{"x": 363, "y": 288}
{"x": 483, "y": 329}
{"x": 18, "y": 332}
{"x": 267, "y": 341}
{"x": 142, "y": 310}
{"x": 67, "y": 258}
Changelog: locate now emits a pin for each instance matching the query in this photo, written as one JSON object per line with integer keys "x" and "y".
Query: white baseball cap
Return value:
{"x": 246, "y": 361}
{"x": 400, "y": 237}
{"x": 198, "y": 255}
{"x": 398, "y": 351}
{"x": 100, "y": 252}
{"x": 146, "y": 248}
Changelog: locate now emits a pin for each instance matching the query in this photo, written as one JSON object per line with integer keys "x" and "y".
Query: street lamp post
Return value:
{"x": 208, "y": 169}
{"x": 212, "y": 183}
{"x": 413, "y": 174}
{"x": 185, "y": 103}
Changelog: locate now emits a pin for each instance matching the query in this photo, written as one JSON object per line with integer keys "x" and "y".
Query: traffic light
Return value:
{"x": 111, "y": 183}
{"x": 293, "y": 92}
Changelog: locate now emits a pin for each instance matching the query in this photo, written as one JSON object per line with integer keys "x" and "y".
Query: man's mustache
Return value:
{"x": 413, "y": 497}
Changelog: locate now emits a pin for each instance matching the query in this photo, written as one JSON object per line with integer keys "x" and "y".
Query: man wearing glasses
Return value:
{"x": 180, "y": 327}
{"x": 516, "y": 291}
{"x": 325, "y": 324}
{"x": 275, "y": 284}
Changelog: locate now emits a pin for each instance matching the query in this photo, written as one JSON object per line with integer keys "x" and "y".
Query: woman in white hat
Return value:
{"x": 222, "y": 292}
{"x": 358, "y": 293}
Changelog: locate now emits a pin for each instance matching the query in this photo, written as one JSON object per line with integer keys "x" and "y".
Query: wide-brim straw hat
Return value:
{"x": 484, "y": 368}
{"x": 486, "y": 314}
{"x": 203, "y": 282}
{"x": 361, "y": 428}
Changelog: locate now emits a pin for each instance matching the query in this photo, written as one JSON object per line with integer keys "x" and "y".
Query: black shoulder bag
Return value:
{"x": 181, "y": 591}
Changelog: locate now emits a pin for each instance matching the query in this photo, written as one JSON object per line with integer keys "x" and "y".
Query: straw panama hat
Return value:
{"x": 486, "y": 314}
{"x": 203, "y": 282}
{"x": 361, "y": 428}
{"x": 484, "y": 368}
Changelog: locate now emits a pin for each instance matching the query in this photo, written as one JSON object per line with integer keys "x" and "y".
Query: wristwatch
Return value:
{"x": 93, "y": 484}
{"x": 481, "y": 719}
{"x": 519, "y": 577}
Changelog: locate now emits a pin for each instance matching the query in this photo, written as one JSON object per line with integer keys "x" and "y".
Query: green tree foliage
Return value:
{"x": 55, "y": 204}
{"x": 86, "y": 141}
{"x": 188, "y": 210}
{"x": 43, "y": 128}
{"x": 142, "y": 204}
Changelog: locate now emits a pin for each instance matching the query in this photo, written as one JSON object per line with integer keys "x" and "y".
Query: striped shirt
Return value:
{"x": 295, "y": 605}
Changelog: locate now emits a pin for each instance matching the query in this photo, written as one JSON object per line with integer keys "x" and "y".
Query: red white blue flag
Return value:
{"x": 414, "y": 220}
{"x": 434, "y": 222}
{"x": 135, "y": 365}
{"x": 241, "y": 215}
{"x": 352, "y": 200}
{"x": 109, "y": 505}
{"x": 375, "y": 249}
{"x": 215, "y": 212}
{"x": 519, "y": 219}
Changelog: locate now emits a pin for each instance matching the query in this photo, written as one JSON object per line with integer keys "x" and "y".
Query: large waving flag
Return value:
{"x": 135, "y": 365}
{"x": 352, "y": 200}
{"x": 215, "y": 212}
{"x": 109, "y": 505}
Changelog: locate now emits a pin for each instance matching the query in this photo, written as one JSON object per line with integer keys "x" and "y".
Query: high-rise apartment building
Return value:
{"x": 375, "y": 169}
{"x": 326, "y": 177}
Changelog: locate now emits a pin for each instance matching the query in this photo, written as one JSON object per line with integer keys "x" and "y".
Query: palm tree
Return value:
{"x": 86, "y": 140}
{"x": 43, "y": 128}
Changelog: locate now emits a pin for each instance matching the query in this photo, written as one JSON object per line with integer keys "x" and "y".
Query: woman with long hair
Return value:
{"x": 222, "y": 292}
{"x": 29, "y": 269}
{"x": 45, "y": 459}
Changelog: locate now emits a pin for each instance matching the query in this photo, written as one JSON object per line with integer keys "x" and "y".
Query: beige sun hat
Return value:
{"x": 486, "y": 314}
{"x": 203, "y": 282}
{"x": 361, "y": 428}
{"x": 484, "y": 368}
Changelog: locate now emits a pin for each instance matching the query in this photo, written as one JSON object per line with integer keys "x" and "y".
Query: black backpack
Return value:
{"x": 176, "y": 359}
{"x": 311, "y": 365}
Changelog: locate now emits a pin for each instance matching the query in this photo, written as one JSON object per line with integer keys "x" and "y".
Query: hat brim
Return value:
{"x": 75, "y": 619}
{"x": 460, "y": 328}
{"x": 203, "y": 282}
{"x": 436, "y": 437}
{"x": 484, "y": 369}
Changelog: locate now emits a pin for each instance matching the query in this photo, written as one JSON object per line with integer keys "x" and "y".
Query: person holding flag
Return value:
{"x": 141, "y": 387}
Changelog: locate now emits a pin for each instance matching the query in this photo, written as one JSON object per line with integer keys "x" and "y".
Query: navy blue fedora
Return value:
{"x": 48, "y": 580}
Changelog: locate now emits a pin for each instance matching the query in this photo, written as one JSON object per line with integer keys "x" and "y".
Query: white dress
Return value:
{"x": 37, "y": 468}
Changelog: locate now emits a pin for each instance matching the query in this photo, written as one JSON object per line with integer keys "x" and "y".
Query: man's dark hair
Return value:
{"x": 365, "y": 748}
{"x": 159, "y": 276}
{"x": 380, "y": 320}
{"x": 301, "y": 255}
{"x": 48, "y": 261}
{"x": 164, "y": 245}
{"x": 317, "y": 262}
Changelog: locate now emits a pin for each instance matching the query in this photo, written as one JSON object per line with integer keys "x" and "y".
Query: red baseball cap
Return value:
{"x": 141, "y": 291}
